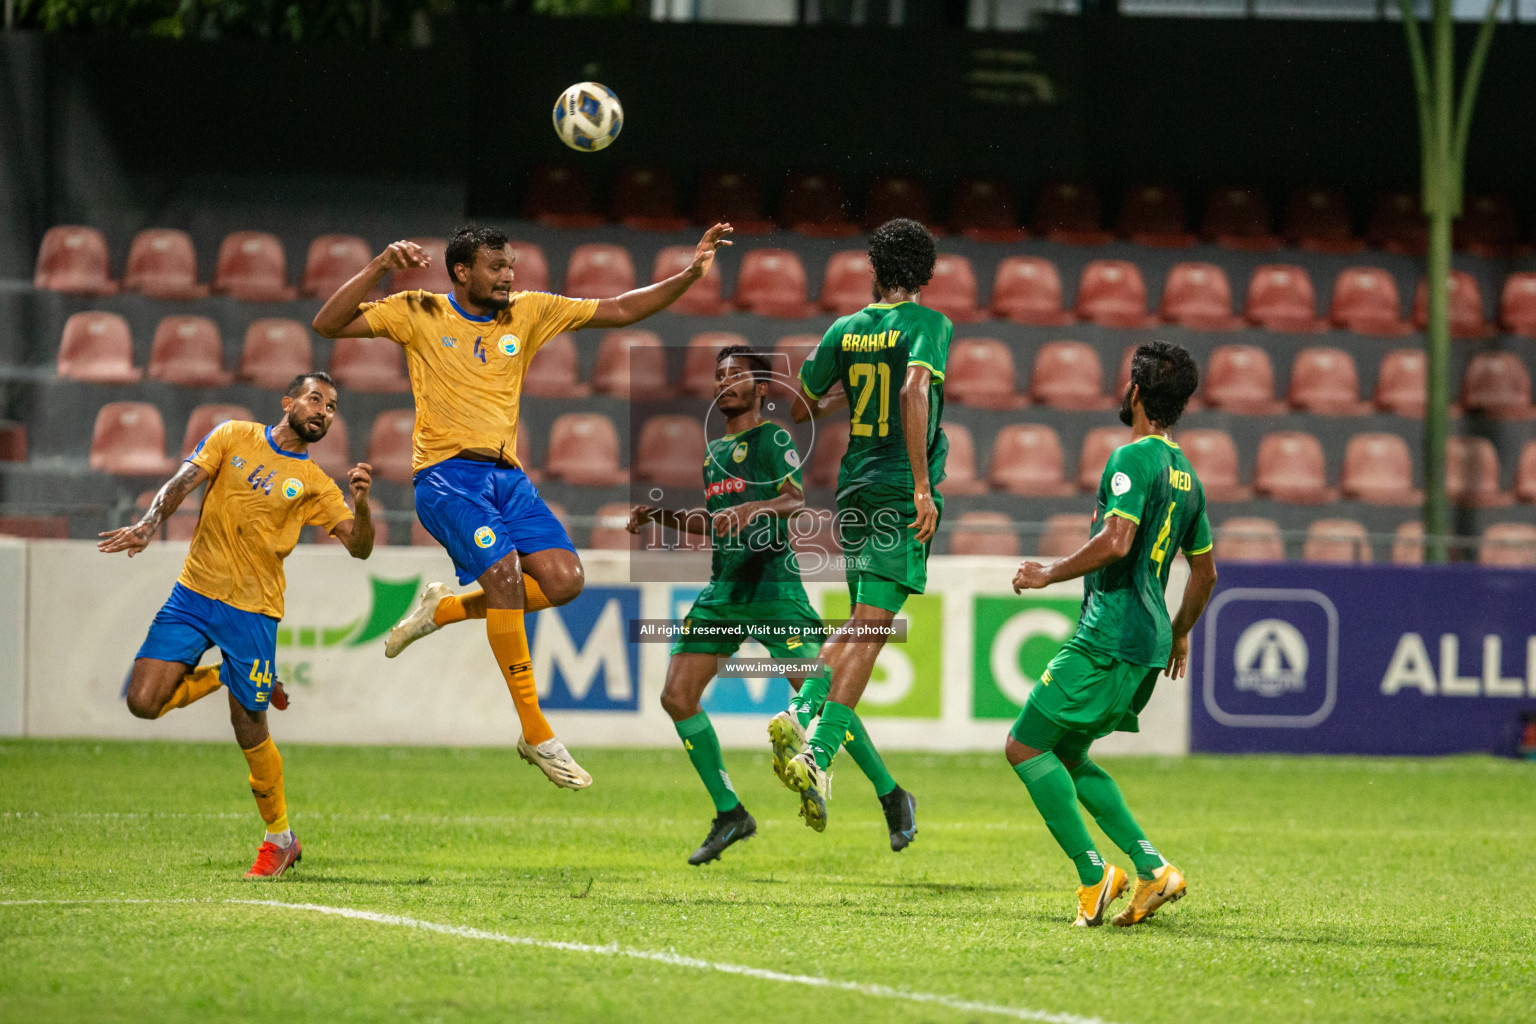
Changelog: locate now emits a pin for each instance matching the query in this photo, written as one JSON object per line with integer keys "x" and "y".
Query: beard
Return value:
{"x": 309, "y": 432}
{"x": 1127, "y": 416}
{"x": 492, "y": 302}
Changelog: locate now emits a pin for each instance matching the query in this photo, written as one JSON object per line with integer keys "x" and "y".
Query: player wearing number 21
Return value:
{"x": 262, "y": 491}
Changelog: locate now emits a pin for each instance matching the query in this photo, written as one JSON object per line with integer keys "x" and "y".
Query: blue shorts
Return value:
{"x": 482, "y": 512}
{"x": 189, "y": 623}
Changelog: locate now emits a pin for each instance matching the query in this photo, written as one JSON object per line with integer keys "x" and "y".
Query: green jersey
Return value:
{"x": 756, "y": 563}
{"x": 869, "y": 352}
{"x": 1151, "y": 483}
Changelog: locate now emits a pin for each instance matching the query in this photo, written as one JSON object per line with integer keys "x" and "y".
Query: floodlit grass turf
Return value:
{"x": 1321, "y": 890}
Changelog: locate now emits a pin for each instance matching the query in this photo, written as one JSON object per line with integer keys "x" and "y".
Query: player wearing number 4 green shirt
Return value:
{"x": 885, "y": 364}
{"x": 1150, "y": 505}
{"x": 751, "y": 487}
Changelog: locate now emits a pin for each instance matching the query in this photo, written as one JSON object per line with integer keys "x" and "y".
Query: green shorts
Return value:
{"x": 1084, "y": 695}
{"x": 884, "y": 560}
{"x": 797, "y": 632}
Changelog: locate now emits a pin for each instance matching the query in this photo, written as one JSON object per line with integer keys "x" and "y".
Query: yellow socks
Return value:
{"x": 459, "y": 607}
{"x": 267, "y": 784}
{"x": 504, "y": 628}
{"x": 195, "y": 685}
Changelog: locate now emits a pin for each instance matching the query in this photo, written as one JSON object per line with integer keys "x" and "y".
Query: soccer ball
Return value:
{"x": 588, "y": 116}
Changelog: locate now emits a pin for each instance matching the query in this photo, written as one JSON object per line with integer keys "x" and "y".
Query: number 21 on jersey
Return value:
{"x": 869, "y": 374}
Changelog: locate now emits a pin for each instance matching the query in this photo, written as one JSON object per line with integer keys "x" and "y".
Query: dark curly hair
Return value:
{"x": 1166, "y": 377}
{"x": 761, "y": 370}
{"x": 466, "y": 242}
{"x": 903, "y": 254}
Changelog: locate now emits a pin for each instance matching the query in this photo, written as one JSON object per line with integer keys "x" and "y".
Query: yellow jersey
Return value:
{"x": 467, "y": 371}
{"x": 259, "y": 498}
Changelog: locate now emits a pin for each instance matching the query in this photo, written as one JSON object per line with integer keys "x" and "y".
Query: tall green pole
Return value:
{"x": 1444, "y": 126}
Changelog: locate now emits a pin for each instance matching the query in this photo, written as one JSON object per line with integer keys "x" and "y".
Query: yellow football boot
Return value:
{"x": 1165, "y": 888}
{"x": 1094, "y": 900}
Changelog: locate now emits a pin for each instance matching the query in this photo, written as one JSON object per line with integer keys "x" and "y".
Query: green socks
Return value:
{"x": 1102, "y": 797}
{"x": 806, "y": 704}
{"x": 703, "y": 748}
{"x": 866, "y": 756}
{"x": 1050, "y": 787}
{"x": 829, "y": 732}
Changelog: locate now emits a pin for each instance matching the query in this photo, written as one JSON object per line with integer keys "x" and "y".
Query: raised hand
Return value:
{"x": 704, "y": 255}
{"x": 131, "y": 539}
{"x": 638, "y": 517}
{"x": 359, "y": 480}
{"x": 1031, "y": 576}
{"x": 403, "y": 254}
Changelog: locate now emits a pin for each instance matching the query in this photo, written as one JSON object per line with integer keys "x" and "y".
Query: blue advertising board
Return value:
{"x": 1364, "y": 660}
{"x": 728, "y": 695}
{"x": 583, "y": 659}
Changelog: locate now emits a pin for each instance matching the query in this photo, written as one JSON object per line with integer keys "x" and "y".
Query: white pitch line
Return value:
{"x": 670, "y": 959}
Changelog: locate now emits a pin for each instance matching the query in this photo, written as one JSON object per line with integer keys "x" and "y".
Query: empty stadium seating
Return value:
{"x": 162, "y": 264}
{"x": 204, "y": 418}
{"x": 826, "y": 454}
{"x": 560, "y": 196}
{"x": 1241, "y": 379}
{"x": 645, "y": 198}
{"x": 434, "y": 277}
{"x": 699, "y": 362}
{"x": 1365, "y": 300}
{"x": 702, "y": 297}
{"x": 985, "y": 210}
{"x": 1280, "y": 298}
{"x": 333, "y": 260}
{"x": 1318, "y": 219}
{"x": 671, "y": 452}
{"x": 1098, "y": 445}
{"x": 1397, "y": 223}
{"x": 188, "y": 351}
{"x": 813, "y": 203}
{"x": 555, "y": 371}
{"x": 1324, "y": 381}
{"x": 980, "y": 373}
{"x": 1508, "y": 545}
{"x": 73, "y": 259}
{"x": 1466, "y": 302}
{"x": 1378, "y": 469}
{"x": 1248, "y": 539}
{"x": 952, "y": 291}
{"x": 848, "y": 282}
{"x": 96, "y": 347}
{"x": 1069, "y": 212}
{"x": 389, "y": 445}
{"x": 1488, "y": 227}
{"x": 1408, "y": 544}
{"x": 1154, "y": 215}
{"x": 1238, "y": 218}
{"x": 275, "y": 351}
{"x": 894, "y": 196}
{"x": 129, "y": 440}
{"x": 369, "y": 364}
{"x": 1400, "y": 383}
{"x": 960, "y": 478}
{"x": 608, "y": 529}
{"x": 1199, "y": 296}
{"x": 530, "y": 270}
{"x": 1525, "y": 474}
{"x": 1112, "y": 293}
{"x": 733, "y": 196}
{"x": 1336, "y": 541}
{"x": 1517, "y": 303}
{"x": 1472, "y": 473}
{"x": 631, "y": 364}
{"x": 791, "y": 352}
{"x": 1064, "y": 533}
{"x": 584, "y": 450}
{"x": 1213, "y": 454}
{"x": 252, "y": 267}
{"x": 1068, "y": 375}
{"x": 1027, "y": 290}
{"x": 983, "y": 533}
{"x": 35, "y": 527}
{"x": 1497, "y": 384}
{"x": 599, "y": 270}
{"x": 1027, "y": 460}
{"x": 772, "y": 282}
{"x": 1291, "y": 468}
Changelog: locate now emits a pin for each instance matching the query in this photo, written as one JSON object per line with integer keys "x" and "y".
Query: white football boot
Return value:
{"x": 551, "y": 758}
{"x": 419, "y": 623}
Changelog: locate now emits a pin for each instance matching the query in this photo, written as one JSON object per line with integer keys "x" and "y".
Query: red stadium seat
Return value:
{"x": 826, "y": 455}
{"x": 97, "y": 347}
{"x": 1508, "y": 545}
{"x": 1154, "y": 215}
{"x": 188, "y": 351}
{"x": 1249, "y": 539}
{"x": 1113, "y": 294}
{"x": 1466, "y": 307}
{"x": 772, "y": 282}
{"x": 1241, "y": 379}
{"x": 1400, "y": 386}
{"x": 432, "y": 278}
{"x": 1280, "y": 298}
{"x": 894, "y": 196}
{"x": 598, "y": 270}
{"x": 1472, "y": 473}
{"x": 420, "y": 538}
{"x": 252, "y": 267}
{"x": 1325, "y": 381}
{"x": 791, "y": 351}
{"x": 699, "y": 362}
{"x": 631, "y": 364}
{"x": 703, "y": 297}
{"x": 645, "y": 198}
{"x": 584, "y": 450}
{"x": 1318, "y": 219}
{"x": 608, "y": 529}
{"x": 204, "y": 418}
{"x": 960, "y": 467}
{"x": 1213, "y": 454}
{"x": 1068, "y": 375}
{"x": 1291, "y": 468}
{"x": 1027, "y": 460}
{"x": 1489, "y": 226}
{"x": 815, "y": 536}
{"x": 980, "y": 373}
{"x": 129, "y": 440}
{"x": 1064, "y": 533}
{"x": 1517, "y": 306}
{"x": 162, "y": 264}
{"x": 1525, "y": 474}
{"x": 849, "y": 281}
{"x": 275, "y": 352}
{"x": 812, "y": 203}
{"x": 554, "y": 371}
{"x": 1099, "y": 444}
{"x": 1069, "y": 212}
{"x": 1397, "y": 223}
{"x": 1365, "y": 301}
{"x": 733, "y": 196}
{"x": 73, "y": 260}
{"x": 952, "y": 291}
{"x": 1378, "y": 470}
{"x": 1408, "y": 544}
{"x": 1123, "y": 376}
{"x": 1498, "y": 385}
{"x": 1027, "y": 290}
{"x": 984, "y": 210}
{"x": 389, "y": 445}
{"x": 1336, "y": 541}
{"x": 671, "y": 452}
{"x": 333, "y": 260}
{"x": 984, "y": 533}
{"x": 375, "y": 365}
{"x": 333, "y": 452}
{"x": 35, "y": 527}
{"x": 1199, "y": 296}
{"x": 13, "y": 441}
{"x": 1238, "y": 218}
{"x": 560, "y": 196}
{"x": 530, "y": 270}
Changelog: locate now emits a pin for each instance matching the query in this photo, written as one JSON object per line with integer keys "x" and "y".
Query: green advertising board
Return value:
{"x": 908, "y": 677}
{"x": 1013, "y": 639}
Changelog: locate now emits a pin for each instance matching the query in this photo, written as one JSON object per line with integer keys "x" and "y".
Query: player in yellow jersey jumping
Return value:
{"x": 262, "y": 491}
{"x": 467, "y": 353}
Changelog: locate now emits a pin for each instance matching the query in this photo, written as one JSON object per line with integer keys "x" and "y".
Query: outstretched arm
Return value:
{"x": 136, "y": 538}
{"x": 341, "y": 316}
{"x": 806, "y": 409}
{"x": 1197, "y": 594}
{"x": 914, "y": 429}
{"x": 693, "y": 520}
{"x": 634, "y": 306}
{"x": 357, "y": 533}
{"x": 1110, "y": 545}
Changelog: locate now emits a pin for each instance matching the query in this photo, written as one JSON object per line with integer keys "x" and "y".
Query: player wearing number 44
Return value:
{"x": 262, "y": 491}
{"x": 1150, "y": 504}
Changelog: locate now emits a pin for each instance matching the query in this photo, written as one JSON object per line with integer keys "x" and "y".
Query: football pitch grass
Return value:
{"x": 1322, "y": 889}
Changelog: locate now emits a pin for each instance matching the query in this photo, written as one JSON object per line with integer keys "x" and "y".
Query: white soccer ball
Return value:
{"x": 588, "y": 116}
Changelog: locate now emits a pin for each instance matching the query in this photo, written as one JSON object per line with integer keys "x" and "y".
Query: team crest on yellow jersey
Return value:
{"x": 508, "y": 344}
{"x": 740, "y": 454}
{"x": 293, "y": 488}
{"x": 485, "y": 536}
